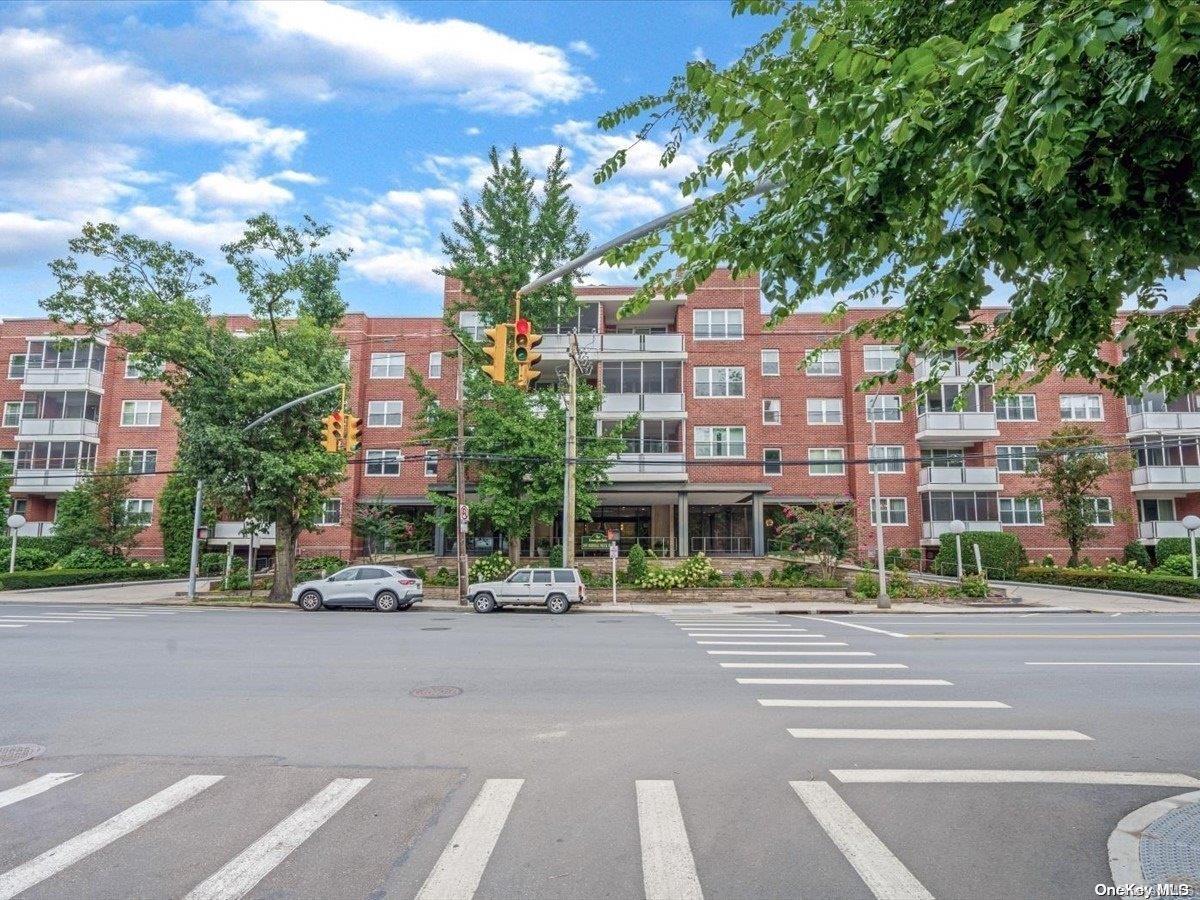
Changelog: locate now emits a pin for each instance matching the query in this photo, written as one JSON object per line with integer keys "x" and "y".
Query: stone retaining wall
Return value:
{"x": 691, "y": 595}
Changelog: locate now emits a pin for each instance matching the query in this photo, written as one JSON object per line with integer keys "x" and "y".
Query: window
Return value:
{"x": 1080, "y": 407}
{"x": 890, "y": 459}
{"x": 387, "y": 365}
{"x": 1019, "y": 459}
{"x": 141, "y": 462}
{"x": 61, "y": 405}
{"x": 564, "y": 576}
{"x": 331, "y": 512}
{"x": 955, "y": 398}
{"x": 826, "y": 461}
{"x": 772, "y": 411}
{"x": 369, "y": 574}
{"x": 1101, "y": 509}
{"x": 770, "y": 362}
{"x": 139, "y": 511}
{"x": 823, "y": 362}
{"x": 385, "y": 413}
{"x": 435, "y": 364}
{"x": 720, "y": 442}
{"x": 521, "y": 577}
{"x": 60, "y": 353}
{"x": 76, "y": 455}
{"x": 895, "y": 510}
{"x": 20, "y": 506}
{"x": 884, "y": 408}
{"x": 648, "y": 435}
{"x": 12, "y": 414}
{"x": 716, "y": 324}
{"x": 383, "y": 462}
{"x": 141, "y": 412}
{"x": 1156, "y": 510}
{"x": 772, "y": 461}
{"x": 8, "y": 456}
{"x": 1160, "y": 451}
{"x": 468, "y": 321}
{"x": 1016, "y": 408}
{"x": 16, "y": 365}
{"x": 824, "y": 411}
{"x": 431, "y": 464}
{"x": 719, "y": 381}
{"x": 942, "y": 458}
{"x": 969, "y": 506}
{"x": 643, "y": 377}
{"x": 1021, "y": 510}
{"x": 139, "y": 369}
{"x": 880, "y": 358}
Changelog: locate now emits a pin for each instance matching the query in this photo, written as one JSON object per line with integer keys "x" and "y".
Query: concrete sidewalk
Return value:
{"x": 130, "y": 592}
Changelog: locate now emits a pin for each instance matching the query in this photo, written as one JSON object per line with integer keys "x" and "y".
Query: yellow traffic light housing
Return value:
{"x": 497, "y": 352}
{"x": 333, "y": 432}
{"x": 352, "y": 432}
{"x": 525, "y": 353}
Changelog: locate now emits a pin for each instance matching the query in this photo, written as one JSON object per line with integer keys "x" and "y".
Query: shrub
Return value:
{"x": 556, "y": 556}
{"x": 738, "y": 579}
{"x": 420, "y": 572}
{"x": 33, "y": 559}
{"x": 443, "y": 578}
{"x": 50, "y": 544}
{"x": 757, "y": 579}
{"x": 1085, "y": 563}
{"x": 1168, "y": 547}
{"x": 1178, "y": 564}
{"x": 1002, "y": 554}
{"x": 495, "y": 567}
{"x": 696, "y": 571}
{"x": 1048, "y": 561}
{"x": 1153, "y": 583}
{"x": 210, "y": 563}
{"x": 1136, "y": 552}
{"x": 1128, "y": 568}
{"x": 66, "y": 577}
{"x": 902, "y": 558}
{"x": 312, "y": 566}
{"x": 974, "y": 586}
{"x": 637, "y": 567}
{"x": 89, "y": 558}
{"x": 866, "y": 585}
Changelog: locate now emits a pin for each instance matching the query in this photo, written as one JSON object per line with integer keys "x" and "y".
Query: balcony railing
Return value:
{"x": 932, "y": 531}
{"x": 1166, "y": 478}
{"x": 36, "y": 529}
{"x": 631, "y": 403}
{"x": 30, "y": 429}
{"x": 1164, "y": 421}
{"x": 956, "y": 425}
{"x": 978, "y": 477}
{"x": 960, "y": 369}
{"x": 614, "y": 343}
{"x": 722, "y": 546}
{"x": 661, "y": 465}
{"x": 45, "y": 481}
{"x": 40, "y": 379}
{"x": 1153, "y": 531}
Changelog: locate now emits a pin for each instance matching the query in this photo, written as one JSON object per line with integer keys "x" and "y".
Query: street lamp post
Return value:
{"x": 16, "y": 521}
{"x": 1192, "y": 524}
{"x": 957, "y": 527}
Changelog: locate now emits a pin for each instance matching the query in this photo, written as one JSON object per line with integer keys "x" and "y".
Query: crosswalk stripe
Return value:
{"x": 884, "y": 874}
{"x": 889, "y": 704}
{"x": 742, "y": 634}
{"x": 853, "y": 682}
{"x": 1014, "y": 776}
{"x": 668, "y": 868}
{"x": 252, "y": 865}
{"x": 53, "y": 617}
{"x": 12, "y": 625}
{"x": 789, "y": 652}
{"x": 35, "y": 787}
{"x": 460, "y": 867}
{"x": 772, "y": 643}
{"x": 33, "y": 620}
{"x": 938, "y": 734}
{"x": 83, "y": 845}
{"x": 821, "y": 665}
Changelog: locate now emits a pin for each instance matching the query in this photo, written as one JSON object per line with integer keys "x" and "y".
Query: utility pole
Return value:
{"x": 460, "y": 478}
{"x": 568, "y": 529}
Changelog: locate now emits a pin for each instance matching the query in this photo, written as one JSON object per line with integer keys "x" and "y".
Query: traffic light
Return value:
{"x": 527, "y": 357}
{"x": 333, "y": 432}
{"x": 352, "y": 431}
{"x": 497, "y": 352}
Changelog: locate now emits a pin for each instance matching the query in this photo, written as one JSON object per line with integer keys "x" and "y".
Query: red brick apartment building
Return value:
{"x": 733, "y": 423}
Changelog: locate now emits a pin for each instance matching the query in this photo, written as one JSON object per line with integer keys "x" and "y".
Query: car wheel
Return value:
{"x": 386, "y": 601}
{"x": 557, "y": 604}
{"x": 484, "y": 603}
{"x": 310, "y": 601}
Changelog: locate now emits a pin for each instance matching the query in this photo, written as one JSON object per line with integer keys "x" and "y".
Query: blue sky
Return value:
{"x": 178, "y": 120}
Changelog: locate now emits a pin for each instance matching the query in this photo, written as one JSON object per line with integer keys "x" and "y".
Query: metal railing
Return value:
{"x": 967, "y": 422}
{"x": 959, "y": 476}
{"x": 932, "y": 530}
{"x": 722, "y": 546}
{"x": 631, "y": 403}
{"x": 1153, "y": 531}
{"x": 1164, "y": 421}
{"x": 1162, "y": 476}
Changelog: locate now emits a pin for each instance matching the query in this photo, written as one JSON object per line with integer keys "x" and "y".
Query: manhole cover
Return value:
{"x": 1170, "y": 848}
{"x": 436, "y": 692}
{"x": 11, "y": 754}
{"x": 436, "y": 628}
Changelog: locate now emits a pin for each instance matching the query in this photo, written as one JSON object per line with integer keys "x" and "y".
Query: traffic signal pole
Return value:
{"x": 568, "y": 529}
{"x": 460, "y": 477}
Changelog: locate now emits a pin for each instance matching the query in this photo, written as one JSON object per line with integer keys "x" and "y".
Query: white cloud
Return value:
{"x": 404, "y": 265}
{"x": 69, "y": 178}
{"x": 583, "y": 48}
{"x": 467, "y": 63}
{"x": 204, "y": 237}
{"x": 231, "y": 190}
{"x": 471, "y": 131}
{"x": 57, "y": 87}
{"x": 25, "y": 236}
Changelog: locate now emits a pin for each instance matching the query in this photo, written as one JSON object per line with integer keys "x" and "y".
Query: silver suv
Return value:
{"x": 387, "y": 588}
{"x": 556, "y": 589}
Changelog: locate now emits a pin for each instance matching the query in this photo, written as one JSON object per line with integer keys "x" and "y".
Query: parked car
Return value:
{"x": 556, "y": 589}
{"x": 387, "y": 588}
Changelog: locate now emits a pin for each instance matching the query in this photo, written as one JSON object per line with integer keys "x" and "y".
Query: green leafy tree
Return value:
{"x": 217, "y": 380}
{"x": 95, "y": 514}
{"x": 176, "y": 508}
{"x": 5, "y": 485}
{"x": 1067, "y": 474}
{"x": 825, "y": 531}
{"x": 926, "y": 151}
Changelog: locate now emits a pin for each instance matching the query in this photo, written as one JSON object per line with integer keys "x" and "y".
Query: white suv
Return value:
{"x": 556, "y": 589}
{"x": 387, "y": 588}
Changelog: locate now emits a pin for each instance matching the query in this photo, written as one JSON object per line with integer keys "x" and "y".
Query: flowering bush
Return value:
{"x": 490, "y": 568}
{"x": 696, "y": 571}
{"x": 1177, "y": 564}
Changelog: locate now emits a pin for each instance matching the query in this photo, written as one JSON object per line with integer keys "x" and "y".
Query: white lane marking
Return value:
{"x": 75, "y": 617}
{"x": 668, "y": 869}
{"x": 742, "y": 634}
{"x": 12, "y": 625}
{"x": 938, "y": 734}
{"x": 895, "y": 634}
{"x": 772, "y": 643}
{"x": 1014, "y": 776}
{"x": 83, "y": 845}
{"x": 813, "y": 666}
{"x": 896, "y": 682}
{"x": 890, "y": 704}
{"x": 32, "y": 620}
{"x": 35, "y": 787}
{"x": 1102, "y": 663}
{"x": 460, "y": 867}
{"x": 884, "y": 874}
{"x": 238, "y": 877}
{"x": 789, "y": 652}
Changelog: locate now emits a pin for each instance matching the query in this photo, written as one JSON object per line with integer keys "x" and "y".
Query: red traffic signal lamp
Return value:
{"x": 524, "y": 352}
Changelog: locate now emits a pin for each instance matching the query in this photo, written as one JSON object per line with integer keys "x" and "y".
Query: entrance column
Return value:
{"x": 683, "y": 541}
{"x": 760, "y": 541}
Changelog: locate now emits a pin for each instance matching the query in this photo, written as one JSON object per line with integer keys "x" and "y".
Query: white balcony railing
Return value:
{"x": 932, "y": 531}
{"x": 45, "y": 481}
{"x": 632, "y": 403}
{"x": 648, "y": 466}
{"x": 1164, "y": 421}
{"x": 958, "y": 369}
{"x": 40, "y": 379}
{"x": 32, "y": 429}
{"x": 36, "y": 529}
{"x": 1166, "y": 478}
{"x": 956, "y": 425}
{"x": 1153, "y": 531}
{"x": 983, "y": 478}
{"x": 613, "y": 344}
{"x": 226, "y": 532}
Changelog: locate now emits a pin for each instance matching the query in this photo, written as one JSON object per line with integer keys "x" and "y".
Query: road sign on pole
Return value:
{"x": 464, "y": 517}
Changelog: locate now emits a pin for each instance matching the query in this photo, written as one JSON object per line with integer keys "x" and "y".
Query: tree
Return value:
{"x": 96, "y": 513}
{"x": 1068, "y": 470}
{"x": 5, "y": 484}
{"x": 219, "y": 380}
{"x": 176, "y": 509}
{"x": 515, "y": 437}
{"x": 824, "y": 531}
{"x": 925, "y": 151}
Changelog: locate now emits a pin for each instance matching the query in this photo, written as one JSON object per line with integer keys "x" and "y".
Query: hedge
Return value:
{"x": 1171, "y": 547}
{"x": 1002, "y": 554}
{"x": 1167, "y": 585}
{"x": 16, "y": 581}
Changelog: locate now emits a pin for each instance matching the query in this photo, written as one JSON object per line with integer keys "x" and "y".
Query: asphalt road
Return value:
{"x": 278, "y": 754}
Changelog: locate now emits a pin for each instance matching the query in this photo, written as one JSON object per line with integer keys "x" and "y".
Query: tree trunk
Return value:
{"x": 285, "y": 558}
{"x": 514, "y": 548}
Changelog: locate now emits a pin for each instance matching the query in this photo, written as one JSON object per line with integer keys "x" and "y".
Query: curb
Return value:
{"x": 1124, "y": 844}
{"x": 84, "y": 587}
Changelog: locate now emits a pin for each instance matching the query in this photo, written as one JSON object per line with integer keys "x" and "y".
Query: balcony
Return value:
{"x": 1165, "y": 480}
{"x": 1163, "y": 422}
{"x": 956, "y": 427}
{"x": 648, "y": 467}
{"x": 618, "y": 405}
{"x": 43, "y": 379}
{"x": 36, "y": 529}
{"x": 614, "y": 346}
{"x": 1152, "y": 532}
{"x": 49, "y": 482}
{"x": 956, "y": 370}
{"x": 931, "y": 532}
{"x": 978, "y": 478}
{"x": 73, "y": 429}
{"x": 232, "y": 533}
